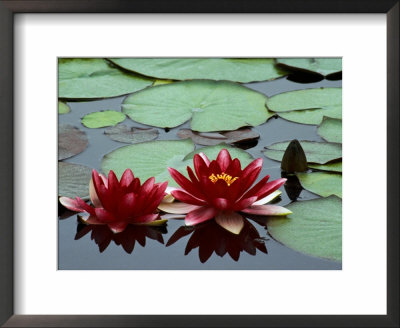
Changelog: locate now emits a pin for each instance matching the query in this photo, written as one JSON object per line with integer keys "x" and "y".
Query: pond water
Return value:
{"x": 81, "y": 247}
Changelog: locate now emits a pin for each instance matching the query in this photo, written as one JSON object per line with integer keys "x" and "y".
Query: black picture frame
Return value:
{"x": 10, "y": 7}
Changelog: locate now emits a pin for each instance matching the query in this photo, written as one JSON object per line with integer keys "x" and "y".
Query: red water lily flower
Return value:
{"x": 220, "y": 189}
{"x": 119, "y": 203}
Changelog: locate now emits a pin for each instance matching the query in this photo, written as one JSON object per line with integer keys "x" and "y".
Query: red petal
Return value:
{"x": 126, "y": 205}
{"x": 221, "y": 203}
{"x": 86, "y": 207}
{"x": 245, "y": 202}
{"x": 224, "y": 159}
{"x": 200, "y": 215}
{"x": 145, "y": 218}
{"x": 270, "y": 187}
{"x": 147, "y": 186}
{"x": 253, "y": 191}
{"x": 205, "y": 158}
{"x": 200, "y": 167}
{"x": 127, "y": 178}
{"x": 118, "y": 226}
{"x": 267, "y": 210}
{"x": 104, "y": 216}
{"x": 113, "y": 184}
{"x": 186, "y": 198}
{"x": 233, "y": 222}
{"x": 250, "y": 174}
{"x": 185, "y": 183}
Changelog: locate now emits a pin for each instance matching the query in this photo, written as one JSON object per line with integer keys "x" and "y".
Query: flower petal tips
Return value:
{"x": 120, "y": 203}
{"x": 220, "y": 188}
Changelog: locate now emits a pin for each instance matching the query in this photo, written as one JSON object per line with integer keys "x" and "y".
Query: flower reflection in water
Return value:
{"x": 210, "y": 237}
{"x": 103, "y": 236}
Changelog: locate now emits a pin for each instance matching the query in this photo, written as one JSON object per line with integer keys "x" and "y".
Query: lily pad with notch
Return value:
{"x": 73, "y": 180}
{"x": 102, "y": 119}
{"x": 63, "y": 108}
{"x": 331, "y": 129}
{"x": 211, "y": 106}
{"x": 322, "y": 183}
{"x": 322, "y": 66}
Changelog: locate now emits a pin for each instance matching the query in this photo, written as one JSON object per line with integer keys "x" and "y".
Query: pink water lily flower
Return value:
{"x": 220, "y": 189}
{"x": 119, "y": 203}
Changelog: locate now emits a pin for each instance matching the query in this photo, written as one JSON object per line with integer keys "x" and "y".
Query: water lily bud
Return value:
{"x": 294, "y": 159}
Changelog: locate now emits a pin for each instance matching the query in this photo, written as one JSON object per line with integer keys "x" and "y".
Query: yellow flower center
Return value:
{"x": 223, "y": 176}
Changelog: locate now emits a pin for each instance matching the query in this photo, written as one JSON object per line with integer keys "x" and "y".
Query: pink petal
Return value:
{"x": 104, "y": 216}
{"x": 186, "y": 198}
{"x": 185, "y": 183}
{"x": 127, "y": 178}
{"x": 200, "y": 215}
{"x": 172, "y": 216}
{"x": 117, "y": 227}
{"x": 87, "y": 208}
{"x": 168, "y": 190}
{"x": 177, "y": 207}
{"x": 244, "y": 203}
{"x": 71, "y": 204}
{"x": 224, "y": 159}
{"x": 231, "y": 221}
{"x": 93, "y": 195}
{"x": 104, "y": 179}
{"x": 89, "y": 219}
{"x": 145, "y": 218}
{"x": 205, "y": 158}
{"x": 270, "y": 187}
{"x": 267, "y": 210}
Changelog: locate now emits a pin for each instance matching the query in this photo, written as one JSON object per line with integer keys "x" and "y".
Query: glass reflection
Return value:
{"x": 210, "y": 237}
{"x": 103, "y": 236}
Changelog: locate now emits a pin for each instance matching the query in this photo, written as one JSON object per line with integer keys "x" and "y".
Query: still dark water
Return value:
{"x": 84, "y": 252}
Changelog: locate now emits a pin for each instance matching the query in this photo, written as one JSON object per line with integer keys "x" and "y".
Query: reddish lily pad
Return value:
{"x": 131, "y": 135}
{"x": 71, "y": 141}
{"x": 215, "y": 138}
{"x": 73, "y": 180}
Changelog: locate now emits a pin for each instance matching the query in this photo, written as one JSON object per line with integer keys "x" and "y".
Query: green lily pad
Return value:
{"x": 314, "y": 227}
{"x": 307, "y": 106}
{"x": 71, "y": 141}
{"x": 80, "y": 78}
{"x": 323, "y": 66}
{"x": 331, "y": 167}
{"x": 212, "y": 106}
{"x": 73, "y": 180}
{"x": 331, "y": 129}
{"x": 148, "y": 159}
{"x": 215, "y": 138}
{"x": 63, "y": 108}
{"x": 126, "y": 134}
{"x": 152, "y": 158}
{"x": 102, "y": 119}
{"x": 316, "y": 152}
{"x": 229, "y": 69}
{"x": 322, "y": 183}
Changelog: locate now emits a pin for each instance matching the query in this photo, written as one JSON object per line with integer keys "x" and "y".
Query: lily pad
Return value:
{"x": 152, "y": 158}
{"x": 132, "y": 135}
{"x": 63, "y": 108}
{"x": 148, "y": 159}
{"x": 102, "y": 119}
{"x": 314, "y": 227}
{"x": 331, "y": 129}
{"x": 212, "y": 106}
{"x": 215, "y": 138}
{"x": 332, "y": 167}
{"x": 71, "y": 141}
{"x": 322, "y": 183}
{"x": 229, "y": 69}
{"x": 80, "y": 78}
{"x": 307, "y": 106}
{"x": 323, "y": 66}
{"x": 73, "y": 180}
{"x": 316, "y": 152}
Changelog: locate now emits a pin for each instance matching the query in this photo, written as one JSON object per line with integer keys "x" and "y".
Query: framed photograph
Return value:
{"x": 195, "y": 169}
